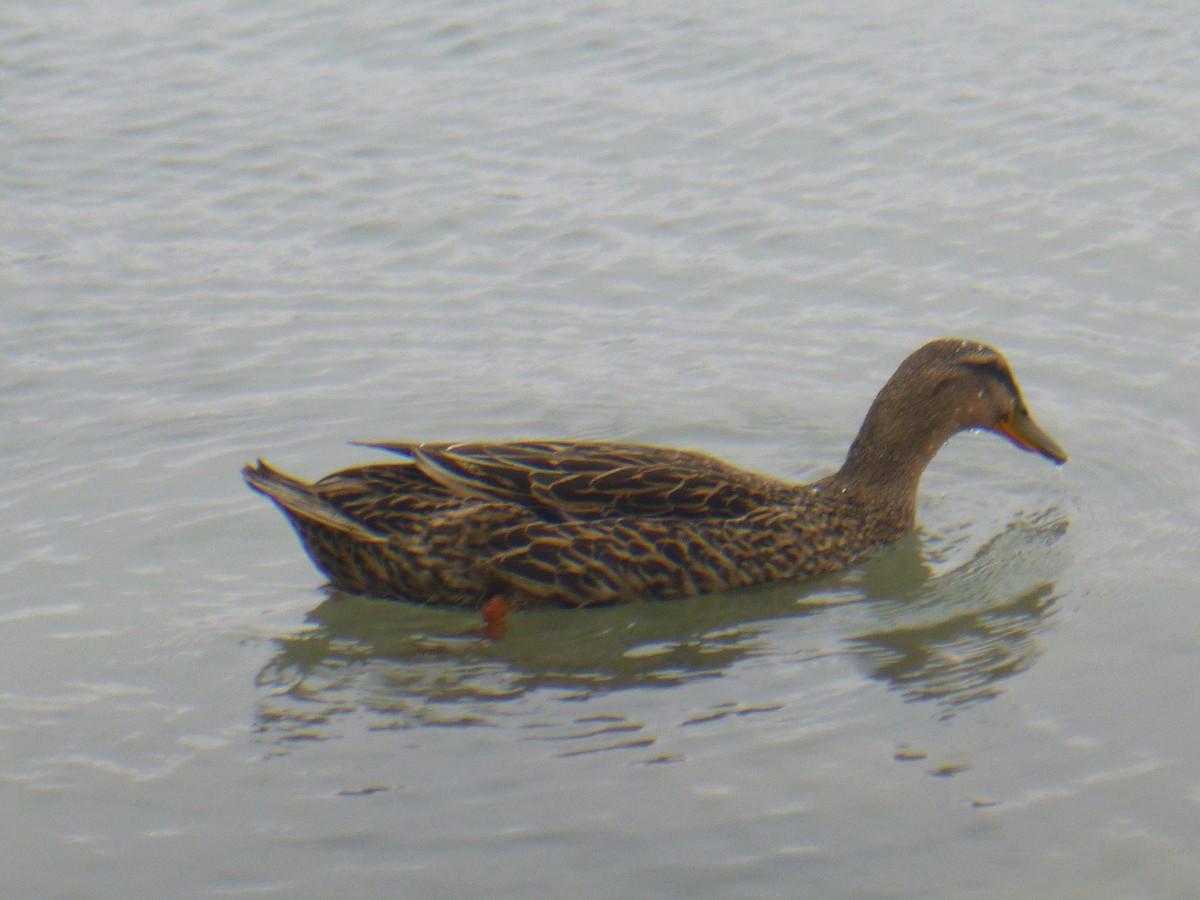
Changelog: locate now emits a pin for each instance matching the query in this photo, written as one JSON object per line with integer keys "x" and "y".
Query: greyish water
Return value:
{"x": 261, "y": 227}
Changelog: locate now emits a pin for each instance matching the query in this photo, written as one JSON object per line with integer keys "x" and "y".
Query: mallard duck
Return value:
{"x": 541, "y": 523}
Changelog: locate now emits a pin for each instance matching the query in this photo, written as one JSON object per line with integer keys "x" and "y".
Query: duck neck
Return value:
{"x": 889, "y": 455}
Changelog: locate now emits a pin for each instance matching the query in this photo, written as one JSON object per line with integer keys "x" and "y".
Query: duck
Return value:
{"x": 545, "y": 523}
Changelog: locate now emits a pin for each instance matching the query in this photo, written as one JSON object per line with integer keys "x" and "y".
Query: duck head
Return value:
{"x": 947, "y": 386}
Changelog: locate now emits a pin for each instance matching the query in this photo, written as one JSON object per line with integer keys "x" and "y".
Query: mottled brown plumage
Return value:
{"x": 579, "y": 524}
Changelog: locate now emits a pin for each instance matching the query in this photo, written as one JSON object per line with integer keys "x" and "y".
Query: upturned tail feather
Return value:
{"x": 297, "y": 499}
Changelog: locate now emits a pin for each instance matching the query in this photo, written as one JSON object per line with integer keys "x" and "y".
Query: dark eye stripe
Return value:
{"x": 992, "y": 369}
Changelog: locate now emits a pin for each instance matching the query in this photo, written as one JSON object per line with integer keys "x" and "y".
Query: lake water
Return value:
{"x": 244, "y": 228}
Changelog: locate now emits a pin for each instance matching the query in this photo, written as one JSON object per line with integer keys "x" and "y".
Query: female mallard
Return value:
{"x": 579, "y": 524}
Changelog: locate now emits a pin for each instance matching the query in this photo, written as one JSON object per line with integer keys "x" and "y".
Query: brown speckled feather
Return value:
{"x": 559, "y": 479}
{"x": 578, "y": 524}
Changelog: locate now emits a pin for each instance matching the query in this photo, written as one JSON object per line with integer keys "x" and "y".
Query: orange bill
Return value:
{"x": 1019, "y": 427}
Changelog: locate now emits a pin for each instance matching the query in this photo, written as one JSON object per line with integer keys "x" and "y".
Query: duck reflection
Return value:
{"x": 959, "y": 660}
{"x": 950, "y": 638}
{"x": 956, "y": 638}
{"x": 419, "y": 665}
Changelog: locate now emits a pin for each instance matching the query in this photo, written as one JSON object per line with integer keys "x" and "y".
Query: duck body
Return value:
{"x": 543, "y": 523}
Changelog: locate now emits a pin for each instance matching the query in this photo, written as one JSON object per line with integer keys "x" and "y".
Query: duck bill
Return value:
{"x": 1019, "y": 427}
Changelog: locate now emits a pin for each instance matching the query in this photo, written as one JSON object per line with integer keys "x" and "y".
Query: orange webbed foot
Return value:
{"x": 495, "y": 617}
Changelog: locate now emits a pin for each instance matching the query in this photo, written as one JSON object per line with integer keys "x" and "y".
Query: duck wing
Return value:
{"x": 388, "y": 498}
{"x": 564, "y": 480}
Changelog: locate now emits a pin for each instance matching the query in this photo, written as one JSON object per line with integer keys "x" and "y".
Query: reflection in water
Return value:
{"x": 955, "y": 638}
{"x": 952, "y": 638}
{"x": 962, "y": 659}
{"x": 418, "y": 665}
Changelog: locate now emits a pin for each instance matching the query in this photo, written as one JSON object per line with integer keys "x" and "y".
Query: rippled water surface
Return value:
{"x": 245, "y": 228}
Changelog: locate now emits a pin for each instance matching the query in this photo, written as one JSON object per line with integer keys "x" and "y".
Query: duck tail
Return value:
{"x": 300, "y": 502}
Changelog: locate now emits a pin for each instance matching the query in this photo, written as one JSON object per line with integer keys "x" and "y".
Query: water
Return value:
{"x": 254, "y": 228}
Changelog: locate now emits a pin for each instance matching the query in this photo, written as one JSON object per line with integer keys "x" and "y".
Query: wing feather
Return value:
{"x": 561, "y": 480}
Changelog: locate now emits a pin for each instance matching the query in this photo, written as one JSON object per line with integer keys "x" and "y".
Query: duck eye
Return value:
{"x": 992, "y": 374}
